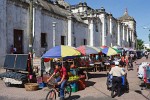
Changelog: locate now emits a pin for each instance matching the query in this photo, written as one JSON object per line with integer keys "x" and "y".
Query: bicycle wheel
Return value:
{"x": 67, "y": 91}
{"x": 51, "y": 95}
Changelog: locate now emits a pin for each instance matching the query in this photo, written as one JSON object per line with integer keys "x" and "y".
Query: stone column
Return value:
{"x": 91, "y": 27}
{"x": 103, "y": 30}
{"x": 127, "y": 34}
{"x": 123, "y": 32}
{"x": 70, "y": 30}
{"x": 111, "y": 25}
{"x": 118, "y": 41}
{"x": 111, "y": 29}
{"x": 130, "y": 35}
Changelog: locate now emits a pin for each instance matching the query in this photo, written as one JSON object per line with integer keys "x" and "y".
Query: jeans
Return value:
{"x": 61, "y": 87}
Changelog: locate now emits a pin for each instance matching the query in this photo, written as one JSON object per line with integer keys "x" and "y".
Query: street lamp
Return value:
{"x": 54, "y": 32}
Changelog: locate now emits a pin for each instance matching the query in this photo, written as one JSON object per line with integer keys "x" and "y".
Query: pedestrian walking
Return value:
{"x": 146, "y": 55}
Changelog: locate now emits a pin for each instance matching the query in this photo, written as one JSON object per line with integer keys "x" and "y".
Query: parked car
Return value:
{"x": 139, "y": 54}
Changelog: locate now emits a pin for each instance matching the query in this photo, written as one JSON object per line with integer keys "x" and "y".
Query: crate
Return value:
{"x": 31, "y": 86}
{"x": 74, "y": 87}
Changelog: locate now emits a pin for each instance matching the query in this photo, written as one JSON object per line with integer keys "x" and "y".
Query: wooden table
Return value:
{"x": 108, "y": 67}
{"x": 85, "y": 71}
{"x": 97, "y": 65}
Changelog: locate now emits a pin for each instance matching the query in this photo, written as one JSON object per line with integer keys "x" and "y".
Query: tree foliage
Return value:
{"x": 140, "y": 44}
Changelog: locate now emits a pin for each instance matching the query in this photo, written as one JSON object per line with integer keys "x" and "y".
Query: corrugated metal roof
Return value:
{"x": 54, "y": 8}
{"x": 58, "y": 10}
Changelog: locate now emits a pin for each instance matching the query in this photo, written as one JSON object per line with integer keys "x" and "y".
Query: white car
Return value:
{"x": 141, "y": 69}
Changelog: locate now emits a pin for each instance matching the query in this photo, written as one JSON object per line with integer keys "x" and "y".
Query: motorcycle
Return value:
{"x": 124, "y": 86}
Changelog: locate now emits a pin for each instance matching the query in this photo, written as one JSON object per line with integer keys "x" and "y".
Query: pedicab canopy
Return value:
{"x": 61, "y": 51}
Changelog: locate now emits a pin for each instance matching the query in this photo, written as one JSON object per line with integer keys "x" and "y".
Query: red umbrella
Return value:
{"x": 104, "y": 46}
{"x": 87, "y": 50}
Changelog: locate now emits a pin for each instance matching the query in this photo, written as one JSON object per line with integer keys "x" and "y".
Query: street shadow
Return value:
{"x": 94, "y": 75}
{"x": 15, "y": 85}
{"x": 90, "y": 83}
{"x": 74, "y": 97}
{"x": 140, "y": 92}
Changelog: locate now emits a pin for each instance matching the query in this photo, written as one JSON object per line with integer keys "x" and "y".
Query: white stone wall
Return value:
{"x": 17, "y": 18}
{"x": 103, "y": 20}
{"x": 2, "y": 31}
{"x": 114, "y": 32}
{"x": 108, "y": 31}
{"x": 44, "y": 24}
{"x": 80, "y": 32}
{"x": 37, "y": 33}
{"x": 75, "y": 10}
{"x": 97, "y": 34}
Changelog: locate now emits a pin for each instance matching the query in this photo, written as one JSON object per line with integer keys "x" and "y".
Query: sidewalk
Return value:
{"x": 96, "y": 89}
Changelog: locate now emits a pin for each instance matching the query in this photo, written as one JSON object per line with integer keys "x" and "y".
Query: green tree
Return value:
{"x": 140, "y": 44}
{"x": 148, "y": 50}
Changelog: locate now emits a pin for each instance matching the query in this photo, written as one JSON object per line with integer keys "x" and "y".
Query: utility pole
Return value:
{"x": 31, "y": 32}
{"x": 31, "y": 27}
{"x": 54, "y": 32}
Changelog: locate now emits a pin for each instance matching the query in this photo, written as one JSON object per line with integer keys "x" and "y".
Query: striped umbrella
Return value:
{"x": 109, "y": 51}
{"x": 61, "y": 51}
{"x": 87, "y": 50}
{"x": 118, "y": 51}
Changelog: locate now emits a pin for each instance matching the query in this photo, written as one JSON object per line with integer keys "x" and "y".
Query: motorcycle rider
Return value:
{"x": 116, "y": 72}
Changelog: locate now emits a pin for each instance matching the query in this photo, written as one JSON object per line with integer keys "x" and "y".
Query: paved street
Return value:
{"x": 96, "y": 89}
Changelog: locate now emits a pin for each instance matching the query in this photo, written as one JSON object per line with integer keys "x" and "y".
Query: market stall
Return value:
{"x": 17, "y": 69}
{"x": 67, "y": 60}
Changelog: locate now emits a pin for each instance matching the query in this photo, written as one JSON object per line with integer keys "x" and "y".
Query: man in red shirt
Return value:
{"x": 62, "y": 79}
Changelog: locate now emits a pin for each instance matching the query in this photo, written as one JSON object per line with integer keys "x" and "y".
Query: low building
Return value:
{"x": 59, "y": 23}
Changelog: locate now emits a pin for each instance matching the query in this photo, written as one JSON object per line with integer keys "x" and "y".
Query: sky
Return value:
{"x": 139, "y": 9}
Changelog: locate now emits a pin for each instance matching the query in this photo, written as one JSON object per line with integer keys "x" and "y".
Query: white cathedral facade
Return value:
{"x": 64, "y": 24}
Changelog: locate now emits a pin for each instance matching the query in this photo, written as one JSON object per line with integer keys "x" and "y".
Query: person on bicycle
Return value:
{"x": 116, "y": 72}
{"x": 62, "y": 79}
